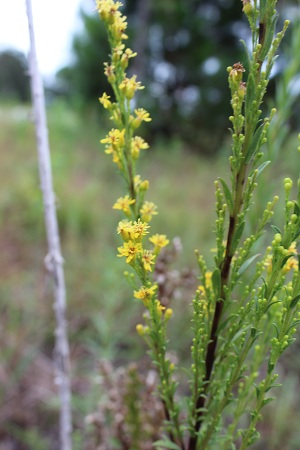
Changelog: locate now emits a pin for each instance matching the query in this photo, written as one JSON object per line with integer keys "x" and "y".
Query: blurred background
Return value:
{"x": 184, "y": 47}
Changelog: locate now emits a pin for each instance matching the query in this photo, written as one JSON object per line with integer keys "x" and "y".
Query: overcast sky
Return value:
{"x": 55, "y": 22}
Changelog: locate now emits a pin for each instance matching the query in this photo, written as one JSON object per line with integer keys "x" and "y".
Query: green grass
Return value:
{"x": 102, "y": 313}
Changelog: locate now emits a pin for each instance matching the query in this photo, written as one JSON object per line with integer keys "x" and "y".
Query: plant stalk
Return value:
{"x": 54, "y": 260}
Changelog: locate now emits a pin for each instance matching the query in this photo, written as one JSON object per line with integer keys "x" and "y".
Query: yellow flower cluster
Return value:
{"x": 132, "y": 234}
{"x": 291, "y": 263}
{"x": 125, "y": 149}
{"x": 208, "y": 283}
{"x": 108, "y": 10}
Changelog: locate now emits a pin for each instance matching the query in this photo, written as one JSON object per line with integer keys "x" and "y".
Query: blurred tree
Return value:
{"x": 14, "y": 79}
{"x": 184, "y": 47}
{"x": 191, "y": 42}
{"x": 83, "y": 81}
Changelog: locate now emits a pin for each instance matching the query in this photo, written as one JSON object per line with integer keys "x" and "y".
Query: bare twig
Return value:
{"x": 54, "y": 260}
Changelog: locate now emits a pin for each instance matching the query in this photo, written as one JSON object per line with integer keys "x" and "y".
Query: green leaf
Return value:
{"x": 227, "y": 194}
{"x": 273, "y": 386}
{"x": 294, "y": 301}
{"x": 294, "y": 324}
{"x": 296, "y": 235}
{"x": 216, "y": 281}
{"x": 250, "y": 95}
{"x": 276, "y": 229}
{"x": 225, "y": 322}
{"x": 247, "y": 52}
{"x": 270, "y": 367}
{"x": 162, "y": 444}
{"x": 268, "y": 38}
{"x": 264, "y": 289}
{"x": 237, "y": 237}
{"x": 262, "y": 167}
{"x": 257, "y": 391}
{"x": 276, "y": 328}
{"x": 273, "y": 303}
{"x": 254, "y": 144}
{"x": 296, "y": 209}
{"x": 268, "y": 400}
{"x": 285, "y": 259}
{"x": 246, "y": 264}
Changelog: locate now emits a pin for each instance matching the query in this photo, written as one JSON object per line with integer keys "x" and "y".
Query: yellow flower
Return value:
{"x": 292, "y": 262}
{"x": 140, "y": 185}
{"x": 115, "y": 138}
{"x": 159, "y": 307}
{"x": 105, "y": 101}
{"x": 118, "y": 27}
{"x": 140, "y": 229}
{"x": 145, "y": 294}
{"x": 147, "y": 211}
{"x": 159, "y": 241}
{"x": 107, "y": 9}
{"x": 148, "y": 259}
{"x": 126, "y": 56}
{"x": 236, "y": 72}
{"x": 117, "y": 52}
{"x": 109, "y": 71}
{"x": 130, "y": 249}
{"x": 247, "y": 8}
{"x": 125, "y": 229}
{"x": 168, "y": 313}
{"x": 137, "y": 143}
{"x": 208, "y": 282}
{"x": 141, "y": 115}
{"x": 124, "y": 203}
{"x": 140, "y": 329}
{"x": 129, "y": 85}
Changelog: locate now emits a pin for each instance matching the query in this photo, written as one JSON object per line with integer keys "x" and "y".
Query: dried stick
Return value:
{"x": 54, "y": 260}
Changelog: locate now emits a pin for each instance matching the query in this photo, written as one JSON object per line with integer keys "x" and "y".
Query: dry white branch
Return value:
{"x": 54, "y": 260}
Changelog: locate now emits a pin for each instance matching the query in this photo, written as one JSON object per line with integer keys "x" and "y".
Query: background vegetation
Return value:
{"x": 101, "y": 312}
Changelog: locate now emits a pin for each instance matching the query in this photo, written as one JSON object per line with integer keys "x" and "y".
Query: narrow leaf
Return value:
{"x": 223, "y": 324}
{"x": 246, "y": 264}
{"x": 237, "y": 237}
{"x": 296, "y": 209}
{"x": 270, "y": 367}
{"x": 294, "y": 302}
{"x": 227, "y": 194}
{"x": 265, "y": 288}
{"x": 247, "y": 53}
{"x": 262, "y": 167}
{"x": 268, "y": 39}
{"x": 254, "y": 144}
{"x": 296, "y": 235}
{"x": 268, "y": 400}
{"x": 294, "y": 324}
{"x": 276, "y": 328}
{"x": 250, "y": 94}
{"x": 273, "y": 386}
{"x": 273, "y": 303}
{"x": 216, "y": 281}
{"x": 284, "y": 261}
{"x": 276, "y": 229}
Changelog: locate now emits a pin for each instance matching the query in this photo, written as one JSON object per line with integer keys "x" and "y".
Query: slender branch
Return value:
{"x": 225, "y": 271}
{"x": 54, "y": 260}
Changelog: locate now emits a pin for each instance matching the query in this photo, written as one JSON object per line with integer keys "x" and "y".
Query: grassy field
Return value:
{"x": 101, "y": 311}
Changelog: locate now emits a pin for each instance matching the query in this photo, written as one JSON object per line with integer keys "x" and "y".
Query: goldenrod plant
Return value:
{"x": 246, "y": 309}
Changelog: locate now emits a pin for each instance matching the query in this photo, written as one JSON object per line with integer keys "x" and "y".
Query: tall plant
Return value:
{"x": 246, "y": 310}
